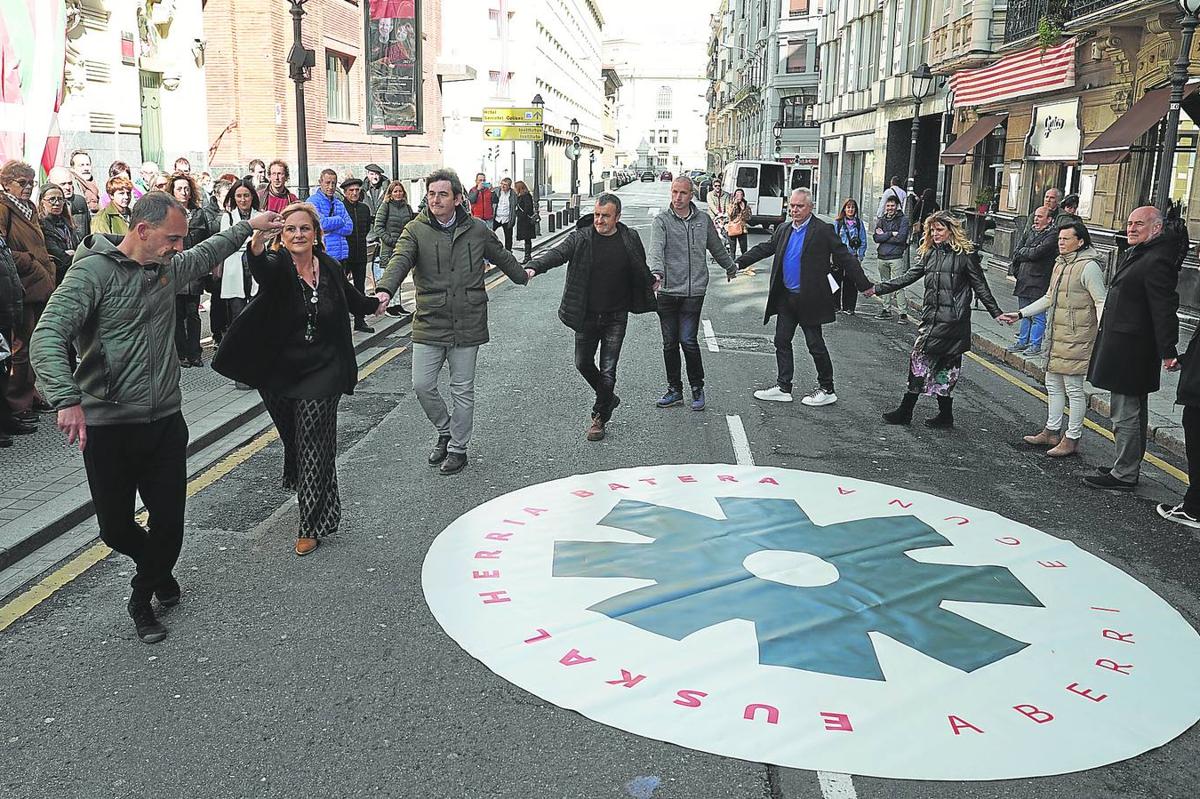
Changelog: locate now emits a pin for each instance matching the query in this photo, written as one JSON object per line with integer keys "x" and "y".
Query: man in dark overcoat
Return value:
{"x": 806, "y": 254}
{"x": 1138, "y": 333}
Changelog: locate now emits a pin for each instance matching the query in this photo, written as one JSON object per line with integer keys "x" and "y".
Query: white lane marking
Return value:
{"x": 836, "y": 786}
{"x": 833, "y": 786}
{"x": 710, "y": 338}
{"x": 741, "y": 444}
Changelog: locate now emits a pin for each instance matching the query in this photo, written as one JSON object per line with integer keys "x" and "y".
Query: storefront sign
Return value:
{"x": 393, "y": 73}
{"x": 1054, "y": 134}
{"x": 815, "y": 621}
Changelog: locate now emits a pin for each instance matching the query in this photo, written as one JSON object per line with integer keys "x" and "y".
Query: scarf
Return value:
{"x": 24, "y": 206}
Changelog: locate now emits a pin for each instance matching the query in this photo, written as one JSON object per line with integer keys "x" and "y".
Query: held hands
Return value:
{"x": 1007, "y": 318}
{"x": 270, "y": 221}
{"x": 657, "y": 284}
{"x": 529, "y": 276}
{"x": 1172, "y": 364}
{"x": 869, "y": 292}
{"x": 384, "y": 298}
{"x": 71, "y": 422}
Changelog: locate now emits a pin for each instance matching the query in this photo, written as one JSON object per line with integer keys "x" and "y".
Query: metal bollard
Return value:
{"x": 560, "y": 216}
{"x": 551, "y": 226}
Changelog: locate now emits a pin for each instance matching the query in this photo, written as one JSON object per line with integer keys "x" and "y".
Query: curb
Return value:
{"x": 76, "y": 505}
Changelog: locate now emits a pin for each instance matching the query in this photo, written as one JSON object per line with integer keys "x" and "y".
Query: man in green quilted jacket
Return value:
{"x": 123, "y": 405}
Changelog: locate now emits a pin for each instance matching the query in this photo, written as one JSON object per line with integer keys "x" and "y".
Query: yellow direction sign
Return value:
{"x": 512, "y": 133}
{"x": 509, "y": 115}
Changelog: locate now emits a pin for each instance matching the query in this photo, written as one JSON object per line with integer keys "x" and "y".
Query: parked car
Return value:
{"x": 666, "y": 175}
{"x": 647, "y": 176}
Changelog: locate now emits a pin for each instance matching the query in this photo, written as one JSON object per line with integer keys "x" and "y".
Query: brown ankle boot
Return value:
{"x": 595, "y": 431}
{"x": 1068, "y": 446}
{"x": 1046, "y": 438}
{"x": 306, "y": 545}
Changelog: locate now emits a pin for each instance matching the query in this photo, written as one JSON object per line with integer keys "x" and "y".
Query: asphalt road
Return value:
{"x": 328, "y": 675}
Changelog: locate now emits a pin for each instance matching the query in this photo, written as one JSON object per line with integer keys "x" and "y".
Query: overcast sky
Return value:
{"x": 659, "y": 22}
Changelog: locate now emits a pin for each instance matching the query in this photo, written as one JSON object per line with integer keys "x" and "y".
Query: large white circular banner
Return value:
{"x": 815, "y": 621}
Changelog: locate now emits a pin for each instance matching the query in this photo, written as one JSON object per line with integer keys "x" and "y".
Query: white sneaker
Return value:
{"x": 1178, "y": 515}
{"x": 820, "y": 397}
{"x": 773, "y": 394}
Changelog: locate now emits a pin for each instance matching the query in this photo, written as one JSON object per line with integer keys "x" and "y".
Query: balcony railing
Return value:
{"x": 1023, "y": 15}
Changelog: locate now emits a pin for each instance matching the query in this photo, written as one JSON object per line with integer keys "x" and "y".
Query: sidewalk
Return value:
{"x": 989, "y": 337}
{"x": 43, "y": 487}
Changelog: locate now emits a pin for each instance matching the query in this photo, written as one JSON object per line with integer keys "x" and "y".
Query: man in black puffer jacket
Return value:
{"x": 607, "y": 279}
{"x": 1032, "y": 262}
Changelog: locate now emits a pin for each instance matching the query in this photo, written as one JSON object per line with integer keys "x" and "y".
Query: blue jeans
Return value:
{"x": 607, "y": 332}
{"x": 1033, "y": 328}
{"x": 679, "y": 318}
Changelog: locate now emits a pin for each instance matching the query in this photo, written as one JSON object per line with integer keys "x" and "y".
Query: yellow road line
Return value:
{"x": 10, "y": 612}
{"x": 1153, "y": 460}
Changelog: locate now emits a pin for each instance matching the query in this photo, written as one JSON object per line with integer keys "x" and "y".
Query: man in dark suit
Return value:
{"x": 805, "y": 252}
{"x": 1139, "y": 329}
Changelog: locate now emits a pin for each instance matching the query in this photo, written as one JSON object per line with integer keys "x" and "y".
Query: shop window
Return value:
{"x": 337, "y": 87}
{"x": 987, "y": 167}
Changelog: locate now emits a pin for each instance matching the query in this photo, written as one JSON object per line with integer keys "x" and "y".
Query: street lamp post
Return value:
{"x": 591, "y": 171}
{"x": 922, "y": 86}
{"x": 539, "y": 104}
{"x": 1179, "y": 76}
{"x": 300, "y": 65}
{"x": 574, "y": 151}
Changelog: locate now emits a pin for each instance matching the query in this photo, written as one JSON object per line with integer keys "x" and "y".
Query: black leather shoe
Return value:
{"x": 454, "y": 463}
{"x": 363, "y": 327}
{"x": 18, "y": 428}
{"x": 5, "y": 441}
{"x": 26, "y": 417}
{"x": 1108, "y": 482}
{"x": 438, "y": 453}
{"x": 149, "y": 629}
{"x": 168, "y": 592}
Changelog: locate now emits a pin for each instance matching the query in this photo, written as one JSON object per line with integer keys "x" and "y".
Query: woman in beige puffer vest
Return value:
{"x": 1075, "y": 302}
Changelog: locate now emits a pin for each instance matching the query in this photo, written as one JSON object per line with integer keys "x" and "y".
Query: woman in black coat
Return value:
{"x": 57, "y": 228}
{"x": 951, "y": 270}
{"x": 526, "y": 218}
{"x": 292, "y": 343}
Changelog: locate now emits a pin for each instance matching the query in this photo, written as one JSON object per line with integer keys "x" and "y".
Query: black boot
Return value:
{"x": 148, "y": 627}
{"x": 945, "y": 416}
{"x": 903, "y": 414}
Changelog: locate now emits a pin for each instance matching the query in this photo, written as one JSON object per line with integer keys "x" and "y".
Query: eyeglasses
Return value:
{"x": 54, "y": 200}
{"x": 26, "y": 182}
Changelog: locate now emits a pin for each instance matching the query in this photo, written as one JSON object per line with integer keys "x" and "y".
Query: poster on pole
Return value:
{"x": 393, "y": 74}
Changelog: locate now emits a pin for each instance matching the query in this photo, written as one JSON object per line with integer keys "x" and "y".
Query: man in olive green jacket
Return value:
{"x": 123, "y": 402}
{"x": 445, "y": 249}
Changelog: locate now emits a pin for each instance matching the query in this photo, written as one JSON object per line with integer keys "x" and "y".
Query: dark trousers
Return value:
{"x": 6, "y": 420}
{"x": 21, "y": 391}
{"x": 508, "y": 231}
{"x": 358, "y": 275}
{"x": 848, "y": 296}
{"x": 735, "y": 241}
{"x": 786, "y": 323}
{"x": 308, "y": 430}
{"x": 148, "y": 459}
{"x": 679, "y": 318}
{"x": 187, "y": 326}
{"x": 528, "y": 249}
{"x": 1191, "y": 442}
{"x": 218, "y": 317}
{"x": 605, "y": 331}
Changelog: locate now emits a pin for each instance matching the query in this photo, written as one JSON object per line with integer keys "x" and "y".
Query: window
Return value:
{"x": 501, "y": 81}
{"x": 797, "y": 56}
{"x": 494, "y": 20}
{"x": 664, "y": 102}
{"x": 337, "y": 87}
{"x": 797, "y": 111}
{"x": 747, "y": 177}
{"x": 798, "y": 8}
{"x": 662, "y": 137}
{"x": 674, "y": 137}
{"x": 664, "y": 113}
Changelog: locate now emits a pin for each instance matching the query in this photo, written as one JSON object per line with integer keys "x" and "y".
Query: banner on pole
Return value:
{"x": 393, "y": 73}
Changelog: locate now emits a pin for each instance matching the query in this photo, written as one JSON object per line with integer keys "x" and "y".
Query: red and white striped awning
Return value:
{"x": 1033, "y": 71}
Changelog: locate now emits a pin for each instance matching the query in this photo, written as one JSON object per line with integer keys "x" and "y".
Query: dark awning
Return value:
{"x": 1113, "y": 145}
{"x": 958, "y": 150}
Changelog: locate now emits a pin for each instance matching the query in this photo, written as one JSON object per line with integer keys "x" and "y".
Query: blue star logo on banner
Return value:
{"x": 697, "y": 565}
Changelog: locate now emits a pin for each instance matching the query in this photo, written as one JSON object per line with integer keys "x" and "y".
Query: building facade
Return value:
{"x": 1079, "y": 106}
{"x": 251, "y": 108}
{"x": 512, "y": 50}
{"x": 763, "y": 70}
{"x": 661, "y": 104}
{"x": 868, "y": 51}
{"x": 134, "y": 83}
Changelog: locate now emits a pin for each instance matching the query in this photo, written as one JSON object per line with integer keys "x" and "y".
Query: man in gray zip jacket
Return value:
{"x": 680, "y": 237}
{"x": 123, "y": 403}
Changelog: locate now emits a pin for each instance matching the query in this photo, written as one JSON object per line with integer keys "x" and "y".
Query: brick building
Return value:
{"x": 251, "y": 101}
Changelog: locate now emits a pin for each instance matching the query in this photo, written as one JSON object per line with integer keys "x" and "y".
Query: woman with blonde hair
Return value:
{"x": 952, "y": 274}
{"x": 1073, "y": 305}
{"x": 390, "y": 220}
{"x": 292, "y": 343}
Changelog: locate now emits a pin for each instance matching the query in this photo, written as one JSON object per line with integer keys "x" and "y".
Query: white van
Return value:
{"x": 765, "y": 186}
